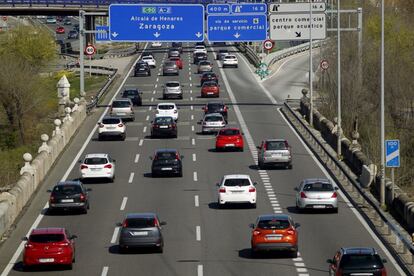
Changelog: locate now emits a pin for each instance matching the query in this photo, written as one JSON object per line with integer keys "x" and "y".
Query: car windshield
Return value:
{"x": 200, "y": 54}
{"x": 111, "y": 121}
{"x": 273, "y": 224}
{"x": 67, "y": 189}
{"x": 318, "y": 187}
{"x": 73, "y": 32}
{"x": 163, "y": 120}
{"x": 213, "y": 118}
{"x": 361, "y": 261}
{"x": 172, "y": 84}
{"x": 131, "y": 92}
{"x": 120, "y": 104}
{"x": 276, "y": 145}
{"x": 223, "y": 51}
{"x": 147, "y": 58}
{"x": 210, "y": 83}
{"x": 46, "y": 238}
{"x": 165, "y": 107}
{"x": 166, "y": 155}
{"x": 229, "y": 132}
{"x": 204, "y": 63}
{"x": 140, "y": 222}
{"x": 237, "y": 182}
{"x": 95, "y": 161}
{"x": 169, "y": 64}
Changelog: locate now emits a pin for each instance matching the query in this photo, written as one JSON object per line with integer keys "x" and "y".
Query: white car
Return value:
{"x": 111, "y": 127}
{"x": 230, "y": 61}
{"x": 236, "y": 188}
{"x": 150, "y": 61}
{"x": 97, "y": 165}
{"x": 167, "y": 109}
{"x": 156, "y": 44}
{"x": 200, "y": 49}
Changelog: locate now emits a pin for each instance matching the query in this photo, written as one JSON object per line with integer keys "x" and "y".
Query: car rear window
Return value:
{"x": 46, "y": 238}
{"x": 215, "y": 106}
{"x": 111, "y": 121}
{"x": 120, "y": 104}
{"x": 276, "y": 145}
{"x": 361, "y": 261}
{"x": 140, "y": 222}
{"x": 95, "y": 161}
{"x": 201, "y": 54}
{"x": 204, "y": 63}
{"x": 273, "y": 224}
{"x": 213, "y": 118}
{"x": 163, "y": 120}
{"x": 165, "y": 107}
{"x": 67, "y": 189}
{"x": 210, "y": 84}
{"x": 237, "y": 182}
{"x": 230, "y": 57}
{"x": 172, "y": 84}
{"x": 147, "y": 58}
{"x": 165, "y": 155}
{"x": 318, "y": 187}
{"x": 229, "y": 132}
{"x": 169, "y": 64}
{"x": 131, "y": 92}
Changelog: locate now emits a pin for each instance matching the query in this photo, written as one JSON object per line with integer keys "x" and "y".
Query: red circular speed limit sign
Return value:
{"x": 4, "y": 18}
{"x": 324, "y": 64}
{"x": 90, "y": 50}
{"x": 268, "y": 44}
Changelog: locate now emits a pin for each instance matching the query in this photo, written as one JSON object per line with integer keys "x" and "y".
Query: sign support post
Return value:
{"x": 310, "y": 64}
{"x": 392, "y": 160}
{"x": 81, "y": 53}
{"x": 339, "y": 120}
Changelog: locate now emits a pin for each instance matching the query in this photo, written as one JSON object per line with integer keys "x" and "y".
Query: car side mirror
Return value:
{"x": 25, "y": 239}
{"x": 89, "y": 190}
{"x": 336, "y": 188}
{"x": 49, "y": 191}
{"x": 384, "y": 261}
{"x": 297, "y": 225}
{"x": 73, "y": 237}
{"x": 163, "y": 223}
{"x": 218, "y": 184}
{"x": 329, "y": 261}
{"x": 182, "y": 156}
{"x": 296, "y": 189}
{"x": 255, "y": 183}
{"x": 259, "y": 147}
{"x": 118, "y": 224}
{"x": 151, "y": 158}
{"x": 203, "y": 108}
{"x": 98, "y": 123}
{"x": 251, "y": 225}
{"x": 242, "y": 133}
{"x": 80, "y": 161}
{"x": 114, "y": 160}
{"x": 199, "y": 123}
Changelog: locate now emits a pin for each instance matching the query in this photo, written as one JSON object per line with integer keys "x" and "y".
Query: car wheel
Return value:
{"x": 298, "y": 209}
{"x": 236, "y": 66}
{"x": 133, "y": 119}
{"x": 123, "y": 137}
{"x": 50, "y": 211}
{"x": 100, "y": 138}
{"x": 241, "y": 149}
{"x": 111, "y": 180}
{"x": 154, "y": 174}
{"x": 294, "y": 254}
{"x": 160, "y": 249}
{"x": 69, "y": 267}
{"x": 335, "y": 210}
{"x": 289, "y": 167}
{"x": 180, "y": 174}
{"x": 85, "y": 210}
{"x": 253, "y": 253}
{"x": 122, "y": 250}
{"x": 253, "y": 205}
{"x": 261, "y": 165}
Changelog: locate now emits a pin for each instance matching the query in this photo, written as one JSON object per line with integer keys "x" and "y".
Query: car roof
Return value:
{"x": 359, "y": 250}
{"x": 236, "y": 176}
{"x": 140, "y": 215}
{"x": 173, "y": 82}
{"x": 93, "y": 155}
{"x": 165, "y": 150}
{"x": 48, "y": 230}
{"x": 209, "y": 73}
{"x": 313, "y": 180}
{"x": 160, "y": 104}
{"x": 213, "y": 115}
{"x": 131, "y": 89}
{"x": 230, "y": 128}
{"x": 274, "y": 216}
{"x": 275, "y": 140}
{"x": 68, "y": 182}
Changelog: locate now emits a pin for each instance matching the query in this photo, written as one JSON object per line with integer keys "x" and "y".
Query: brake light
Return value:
{"x": 225, "y": 108}
{"x": 302, "y": 195}
{"x": 110, "y": 110}
{"x": 177, "y": 157}
{"x": 334, "y": 195}
{"x": 338, "y": 272}
{"x": 222, "y": 190}
{"x": 52, "y": 199}
{"x": 174, "y": 126}
{"x": 383, "y": 272}
{"x": 121, "y": 125}
{"x": 175, "y": 111}
{"x": 256, "y": 233}
{"x": 286, "y": 145}
{"x": 108, "y": 166}
{"x": 252, "y": 189}
{"x": 101, "y": 125}
{"x": 64, "y": 244}
{"x": 82, "y": 197}
{"x": 264, "y": 146}
{"x": 290, "y": 232}
{"x": 28, "y": 245}
{"x": 125, "y": 223}
{"x": 83, "y": 167}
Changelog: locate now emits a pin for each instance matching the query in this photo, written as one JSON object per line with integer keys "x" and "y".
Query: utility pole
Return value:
{"x": 310, "y": 64}
{"x": 339, "y": 116}
{"x": 382, "y": 191}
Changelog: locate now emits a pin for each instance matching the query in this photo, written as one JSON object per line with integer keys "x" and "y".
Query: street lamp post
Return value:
{"x": 310, "y": 64}
{"x": 339, "y": 116}
{"x": 382, "y": 191}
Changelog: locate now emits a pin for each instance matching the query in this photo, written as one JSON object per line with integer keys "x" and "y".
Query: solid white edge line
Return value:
{"x": 198, "y": 233}
{"x": 104, "y": 271}
{"x": 19, "y": 249}
{"x": 115, "y": 234}
{"x": 200, "y": 270}
{"x": 123, "y": 204}
{"x": 196, "y": 201}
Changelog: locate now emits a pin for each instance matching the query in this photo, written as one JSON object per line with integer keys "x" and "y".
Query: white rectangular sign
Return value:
{"x": 296, "y": 26}
{"x": 296, "y": 7}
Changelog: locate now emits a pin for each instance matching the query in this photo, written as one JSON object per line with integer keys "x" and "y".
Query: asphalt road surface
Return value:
{"x": 200, "y": 239}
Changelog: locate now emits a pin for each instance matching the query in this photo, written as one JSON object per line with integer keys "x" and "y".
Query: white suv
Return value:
{"x": 150, "y": 61}
{"x": 236, "y": 188}
{"x": 97, "y": 165}
{"x": 111, "y": 127}
{"x": 167, "y": 110}
{"x": 230, "y": 61}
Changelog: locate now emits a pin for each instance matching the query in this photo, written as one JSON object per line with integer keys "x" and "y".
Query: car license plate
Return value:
{"x": 319, "y": 206}
{"x": 111, "y": 127}
{"x": 229, "y": 145}
{"x": 66, "y": 200}
{"x": 166, "y": 169}
{"x": 121, "y": 113}
{"x": 235, "y": 192}
{"x": 47, "y": 260}
{"x": 163, "y": 126}
{"x": 95, "y": 169}
{"x": 276, "y": 155}
{"x": 274, "y": 238}
{"x": 139, "y": 233}
{"x": 210, "y": 93}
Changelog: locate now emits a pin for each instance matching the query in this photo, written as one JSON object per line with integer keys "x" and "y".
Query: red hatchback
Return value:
{"x": 229, "y": 138}
{"x": 210, "y": 89}
{"x": 49, "y": 246}
{"x": 178, "y": 61}
{"x": 60, "y": 30}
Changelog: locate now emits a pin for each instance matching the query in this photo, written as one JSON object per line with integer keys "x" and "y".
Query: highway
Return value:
{"x": 200, "y": 239}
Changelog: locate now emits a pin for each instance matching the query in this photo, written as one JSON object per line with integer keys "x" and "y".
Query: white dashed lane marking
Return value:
{"x": 193, "y": 141}
{"x": 141, "y": 142}
{"x": 115, "y": 234}
{"x": 198, "y": 233}
{"x": 194, "y": 157}
{"x": 123, "y": 204}
{"x": 131, "y": 177}
{"x": 147, "y": 118}
{"x": 104, "y": 271}
{"x": 196, "y": 201}
{"x": 136, "y": 158}
{"x": 195, "y": 176}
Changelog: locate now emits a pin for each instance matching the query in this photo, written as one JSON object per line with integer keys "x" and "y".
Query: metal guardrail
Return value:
{"x": 367, "y": 197}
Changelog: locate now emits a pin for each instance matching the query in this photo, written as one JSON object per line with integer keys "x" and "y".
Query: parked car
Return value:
{"x": 164, "y": 126}
{"x": 141, "y": 230}
{"x": 167, "y": 110}
{"x": 178, "y": 61}
{"x": 97, "y": 165}
{"x": 122, "y": 108}
{"x": 150, "y": 60}
{"x": 212, "y": 123}
{"x": 274, "y": 152}
{"x": 178, "y": 45}
{"x": 222, "y": 53}
{"x": 199, "y": 56}
{"x": 316, "y": 193}
{"x": 49, "y": 246}
{"x": 229, "y": 138}
{"x": 134, "y": 95}
{"x": 142, "y": 69}
{"x": 230, "y": 61}
{"x": 60, "y": 30}
{"x": 216, "y": 107}
{"x": 210, "y": 89}
{"x": 173, "y": 52}
{"x": 170, "y": 68}
{"x": 204, "y": 66}
{"x": 73, "y": 34}
{"x": 166, "y": 162}
{"x": 172, "y": 89}
{"x": 275, "y": 232}
{"x": 69, "y": 195}
{"x": 111, "y": 127}
{"x": 357, "y": 261}
{"x": 236, "y": 188}
{"x": 208, "y": 76}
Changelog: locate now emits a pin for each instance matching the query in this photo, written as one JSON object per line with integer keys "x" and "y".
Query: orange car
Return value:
{"x": 275, "y": 232}
{"x": 210, "y": 89}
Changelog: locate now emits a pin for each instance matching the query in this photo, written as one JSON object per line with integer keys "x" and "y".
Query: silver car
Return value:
{"x": 122, "y": 109}
{"x": 317, "y": 194}
{"x": 204, "y": 66}
{"x": 212, "y": 122}
{"x": 170, "y": 68}
{"x": 172, "y": 89}
{"x": 275, "y": 152}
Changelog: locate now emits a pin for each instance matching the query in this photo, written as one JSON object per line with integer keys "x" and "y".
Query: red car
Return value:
{"x": 210, "y": 89}
{"x": 60, "y": 30}
{"x": 229, "y": 138}
{"x": 49, "y": 246}
{"x": 178, "y": 61}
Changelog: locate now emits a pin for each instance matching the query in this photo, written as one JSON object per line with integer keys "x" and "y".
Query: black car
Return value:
{"x": 173, "y": 52}
{"x": 141, "y": 230}
{"x": 164, "y": 126}
{"x": 178, "y": 45}
{"x": 166, "y": 162}
{"x": 357, "y": 261}
{"x": 142, "y": 69}
{"x": 208, "y": 76}
{"x": 199, "y": 56}
{"x": 134, "y": 95}
{"x": 69, "y": 195}
{"x": 147, "y": 53}
{"x": 76, "y": 27}
{"x": 216, "y": 107}
{"x": 73, "y": 34}
{"x": 200, "y": 43}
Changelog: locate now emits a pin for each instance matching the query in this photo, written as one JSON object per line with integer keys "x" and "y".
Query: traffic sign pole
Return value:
{"x": 310, "y": 65}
